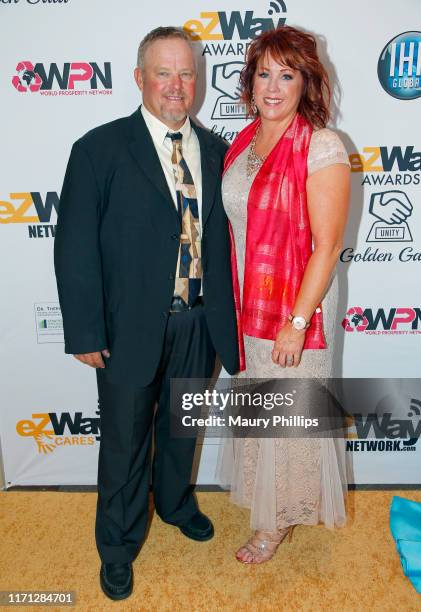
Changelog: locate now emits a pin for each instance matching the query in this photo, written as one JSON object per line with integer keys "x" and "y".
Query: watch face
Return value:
{"x": 299, "y": 322}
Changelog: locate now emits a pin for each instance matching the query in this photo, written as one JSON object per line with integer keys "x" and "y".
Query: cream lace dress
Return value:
{"x": 284, "y": 481}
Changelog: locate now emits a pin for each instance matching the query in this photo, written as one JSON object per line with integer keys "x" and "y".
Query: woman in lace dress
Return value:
{"x": 286, "y": 191}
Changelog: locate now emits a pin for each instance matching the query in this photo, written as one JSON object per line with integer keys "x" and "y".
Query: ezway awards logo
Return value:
{"x": 225, "y": 26}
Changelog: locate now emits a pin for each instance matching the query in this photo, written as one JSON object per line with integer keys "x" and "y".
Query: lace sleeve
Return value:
{"x": 326, "y": 148}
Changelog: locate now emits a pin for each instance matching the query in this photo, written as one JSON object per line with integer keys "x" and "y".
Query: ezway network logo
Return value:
{"x": 74, "y": 78}
{"x": 396, "y": 321}
{"x": 399, "y": 66}
{"x": 225, "y": 26}
{"x": 389, "y": 433}
{"x": 32, "y": 209}
{"x": 51, "y": 430}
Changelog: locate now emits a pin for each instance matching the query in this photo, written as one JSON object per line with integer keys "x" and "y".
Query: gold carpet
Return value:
{"x": 47, "y": 543}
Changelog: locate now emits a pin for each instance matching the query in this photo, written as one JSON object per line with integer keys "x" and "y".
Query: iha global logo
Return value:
{"x": 32, "y": 209}
{"x": 73, "y": 78}
{"x": 51, "y": 430}
{"x": 387, "y": 433}
{"x": 395, "y": 321}
{"x": 399, "y": 66}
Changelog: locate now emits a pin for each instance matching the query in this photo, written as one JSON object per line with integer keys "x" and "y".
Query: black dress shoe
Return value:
{"x": 116, "y": 580}
{"x": 199, "y": 528}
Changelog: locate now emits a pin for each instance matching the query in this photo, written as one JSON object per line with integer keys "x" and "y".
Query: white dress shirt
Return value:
{"x": 164, "y": 147}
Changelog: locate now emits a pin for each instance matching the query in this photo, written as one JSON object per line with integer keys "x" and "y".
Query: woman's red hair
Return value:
{"x": 295, "y": 49}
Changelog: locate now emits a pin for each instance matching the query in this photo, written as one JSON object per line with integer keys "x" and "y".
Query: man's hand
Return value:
{"x": 94, "y": 360}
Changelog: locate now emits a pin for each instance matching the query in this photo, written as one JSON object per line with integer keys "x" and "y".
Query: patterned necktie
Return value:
{"x": 188, "y": 277}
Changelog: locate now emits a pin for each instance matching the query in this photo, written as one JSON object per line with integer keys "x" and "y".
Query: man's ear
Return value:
{"x": 138, "y": 77}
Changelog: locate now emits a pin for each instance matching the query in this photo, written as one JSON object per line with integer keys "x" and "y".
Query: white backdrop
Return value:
{"x": 66, "y": 66}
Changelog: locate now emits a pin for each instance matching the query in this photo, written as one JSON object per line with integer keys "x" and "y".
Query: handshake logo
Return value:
{"x": 225, "y": 79}
{"x": 391, "y": 209}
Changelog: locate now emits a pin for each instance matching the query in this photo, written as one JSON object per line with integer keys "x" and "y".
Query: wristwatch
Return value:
{"x": 298, "y": 322}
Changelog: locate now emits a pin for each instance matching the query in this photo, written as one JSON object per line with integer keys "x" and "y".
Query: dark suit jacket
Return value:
{"x": 117, "y": 244}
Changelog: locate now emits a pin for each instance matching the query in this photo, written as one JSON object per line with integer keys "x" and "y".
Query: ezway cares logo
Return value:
{"x": 73, "y": 78}
{"x": 32, "y": 209}
{"x": 50, "y": 430}
{"x": 220, "y": 25}
{"x": 395, "y": 321}
{"x": 399, "y": 66}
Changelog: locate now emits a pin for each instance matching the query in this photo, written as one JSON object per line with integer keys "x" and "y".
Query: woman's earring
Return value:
{"x": 253, "y": 105}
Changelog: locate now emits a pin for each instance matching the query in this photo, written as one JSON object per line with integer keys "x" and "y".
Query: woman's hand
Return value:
{"x": 288, "y": 346}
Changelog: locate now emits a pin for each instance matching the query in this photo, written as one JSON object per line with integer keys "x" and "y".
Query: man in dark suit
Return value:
{"x": 142, "y": 261}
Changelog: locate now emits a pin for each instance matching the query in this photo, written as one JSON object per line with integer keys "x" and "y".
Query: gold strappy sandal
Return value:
{"x": 263, "y": 545}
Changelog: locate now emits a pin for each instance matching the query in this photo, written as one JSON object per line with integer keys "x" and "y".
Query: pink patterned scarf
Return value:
{"x": 278, "y": 238}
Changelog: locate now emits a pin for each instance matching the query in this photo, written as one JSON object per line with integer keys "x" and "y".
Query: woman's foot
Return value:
{"x": 262, "y": 546}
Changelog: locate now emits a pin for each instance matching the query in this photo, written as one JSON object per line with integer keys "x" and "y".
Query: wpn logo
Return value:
{"x": 391, "y": 210}
{"x": 73, "y": 78}
{"x": 50, "y": 430}
{"x": 395, "y": 321}
{"x": 245, "y": 25}
{"x": 399, "y": 66}
{"x": 33, "y": 209}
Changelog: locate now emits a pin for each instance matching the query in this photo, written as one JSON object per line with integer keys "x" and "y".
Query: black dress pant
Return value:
{"x": 127, "y": 423}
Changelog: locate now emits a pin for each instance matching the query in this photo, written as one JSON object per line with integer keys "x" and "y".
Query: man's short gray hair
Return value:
{"x": 160, "y": 33}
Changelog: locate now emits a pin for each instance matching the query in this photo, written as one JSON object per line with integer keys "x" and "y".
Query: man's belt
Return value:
{"x": 179, "y": 305}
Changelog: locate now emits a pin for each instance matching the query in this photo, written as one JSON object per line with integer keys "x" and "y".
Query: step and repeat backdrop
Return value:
{"x": 67, "y": 66}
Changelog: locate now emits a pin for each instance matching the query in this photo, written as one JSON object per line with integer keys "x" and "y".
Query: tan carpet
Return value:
{"x": 47, "y": 543}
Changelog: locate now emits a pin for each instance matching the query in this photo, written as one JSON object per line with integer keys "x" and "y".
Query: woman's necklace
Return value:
{"x": 254, "y": 161}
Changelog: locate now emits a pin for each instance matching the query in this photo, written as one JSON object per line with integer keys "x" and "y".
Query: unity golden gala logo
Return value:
{"x": 50, "y": 430}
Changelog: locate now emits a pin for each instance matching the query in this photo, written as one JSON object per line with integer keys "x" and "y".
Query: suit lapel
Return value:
{"x": 210, "y": 165}
{"x": 144, "y": 153}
